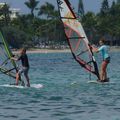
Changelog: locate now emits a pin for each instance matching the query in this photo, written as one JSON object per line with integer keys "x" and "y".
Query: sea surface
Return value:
{"x": 60, "y": 91}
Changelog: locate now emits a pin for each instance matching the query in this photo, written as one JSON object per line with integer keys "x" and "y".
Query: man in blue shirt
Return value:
{"x": 104, "y": 49}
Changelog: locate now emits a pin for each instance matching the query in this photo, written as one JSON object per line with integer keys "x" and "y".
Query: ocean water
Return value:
{"x": 60, "y": 91}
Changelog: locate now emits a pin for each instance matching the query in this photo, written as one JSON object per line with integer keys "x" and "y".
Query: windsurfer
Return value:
{"x": 25, "y": 66}
{"x": 104, "y": 49}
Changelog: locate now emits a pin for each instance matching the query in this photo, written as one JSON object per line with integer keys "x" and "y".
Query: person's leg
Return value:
{"x": 105, "y": 75}
{"x": 17, "y": 78}
{"x": 28, "y": 81}
{"x": 27, "y": 77}
{"x": 101, "y": 73}
{"x": 107, "y": 61}
{"x": 18, "y": 75}
{"x": 103, "y": 69}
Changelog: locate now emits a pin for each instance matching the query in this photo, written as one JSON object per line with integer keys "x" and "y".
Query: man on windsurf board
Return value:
{"x": 25, "y": 66}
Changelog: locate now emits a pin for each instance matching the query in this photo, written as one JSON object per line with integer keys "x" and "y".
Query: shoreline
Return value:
{"x": 44, "y": 51}
{"x": 113, "y": 49}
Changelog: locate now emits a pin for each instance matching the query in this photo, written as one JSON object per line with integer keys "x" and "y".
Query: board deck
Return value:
{"x": 97, "y": 82}
{"x": 37, "y": 86}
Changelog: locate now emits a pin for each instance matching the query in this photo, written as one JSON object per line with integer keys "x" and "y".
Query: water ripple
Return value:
{"x": 65, "y": 94}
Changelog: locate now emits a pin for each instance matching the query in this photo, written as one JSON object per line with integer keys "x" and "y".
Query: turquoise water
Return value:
{"x": 65, "y": 94}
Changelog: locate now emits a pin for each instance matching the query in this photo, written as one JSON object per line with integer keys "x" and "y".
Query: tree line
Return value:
{"x": 42, "y": 26}
{"x": 106, "y": 23}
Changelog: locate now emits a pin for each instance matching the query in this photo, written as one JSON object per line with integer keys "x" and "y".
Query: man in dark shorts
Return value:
{"x": 25, "y": 66}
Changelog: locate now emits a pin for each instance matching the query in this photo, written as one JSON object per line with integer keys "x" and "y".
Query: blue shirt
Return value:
{"x": 105, "y": 51}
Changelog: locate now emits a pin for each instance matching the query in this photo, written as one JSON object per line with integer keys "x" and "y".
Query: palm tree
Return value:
{"x": 81, "y": 11}
{"x": 118, "y": 1}
{"x": 47, "y": 9}
{"x": 105, "y": 7}
{"x": 31, "y": 4}
{"x": 4, "y": 11}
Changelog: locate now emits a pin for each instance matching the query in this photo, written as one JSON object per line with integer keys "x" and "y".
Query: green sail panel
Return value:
{"x": 7, "y": 66}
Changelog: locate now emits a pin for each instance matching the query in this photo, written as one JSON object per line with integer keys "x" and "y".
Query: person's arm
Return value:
{"x": 16, "y": 58}
{"x": 13, "y": 58}
{"x": 94, "y": 49}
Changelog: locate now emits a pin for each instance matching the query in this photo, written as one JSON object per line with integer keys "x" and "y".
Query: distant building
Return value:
{"x": 1, "y": 6}
{"x": 14, "y": 12}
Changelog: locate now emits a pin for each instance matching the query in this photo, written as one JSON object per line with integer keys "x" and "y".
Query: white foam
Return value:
{"x": 37, "y": 86}
{"x": 12, "y": 86}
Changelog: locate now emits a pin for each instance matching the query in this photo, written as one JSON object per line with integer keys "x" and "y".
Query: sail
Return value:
{"x": 77, "y": 38}
{"x": 7, "y": 66}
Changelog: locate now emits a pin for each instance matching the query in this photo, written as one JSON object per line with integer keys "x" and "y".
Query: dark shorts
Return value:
{"x": 23, "y": 70}
{"x": 107, "y": 60}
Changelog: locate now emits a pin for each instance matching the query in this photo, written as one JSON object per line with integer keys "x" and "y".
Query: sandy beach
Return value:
{"x": 113, "y": 48}
{"x": 44, "y": 51}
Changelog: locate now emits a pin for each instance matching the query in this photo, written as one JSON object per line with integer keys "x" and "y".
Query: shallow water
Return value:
{"x": 65, "y": 93}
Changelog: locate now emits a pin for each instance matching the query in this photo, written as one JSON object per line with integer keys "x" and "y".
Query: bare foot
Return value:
{"x": 28, "y": 85}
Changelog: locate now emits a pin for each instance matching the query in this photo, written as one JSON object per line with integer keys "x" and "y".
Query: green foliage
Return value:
{"x": 118, "y": 1}
{"x": 105, "y": 7}
{"x": 16, "y": 38}
{"x": 48, "y": 10}
{"x": 90, "y": 24}
{"x": 46, "y": 28}
{"x": 89, "y": 20}
{"x": 105, "y": 23}
{"x": 81, "y": 8}
{"x": 4, "y": 15}
{"x": 32, "y": 4}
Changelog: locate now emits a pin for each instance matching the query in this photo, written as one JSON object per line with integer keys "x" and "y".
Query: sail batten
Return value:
{"x": 77, "y": 38}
